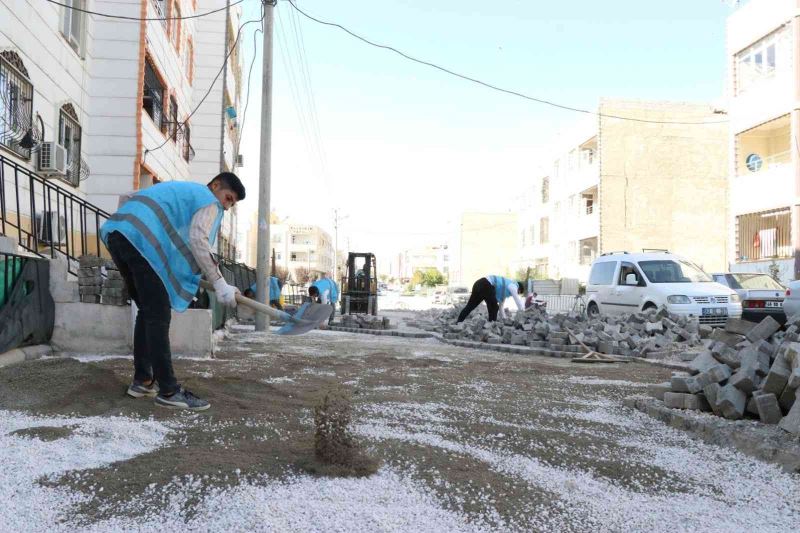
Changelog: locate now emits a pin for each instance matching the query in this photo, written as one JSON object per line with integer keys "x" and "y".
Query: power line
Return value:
{"x": 486, "y": 84}
{"x": 211, "y": 87}
{"x": 106, "y": 15}
{"x": 309, "y": 88}
{"x": 249, "y": 74}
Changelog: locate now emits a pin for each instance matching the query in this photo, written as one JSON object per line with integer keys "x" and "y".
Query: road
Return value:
{"x": 467, "y": 440}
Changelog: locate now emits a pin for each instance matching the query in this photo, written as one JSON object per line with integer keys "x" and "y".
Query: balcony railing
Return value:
{"x": 754, "y": 165}
{"x": 45, "y": 219}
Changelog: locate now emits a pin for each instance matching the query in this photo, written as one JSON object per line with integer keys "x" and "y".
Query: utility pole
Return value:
{"x": 264, "y": 173}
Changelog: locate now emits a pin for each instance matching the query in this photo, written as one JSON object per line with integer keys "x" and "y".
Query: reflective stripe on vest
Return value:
{"x": 501, "y": 286}
{"x": 156, "y": 222}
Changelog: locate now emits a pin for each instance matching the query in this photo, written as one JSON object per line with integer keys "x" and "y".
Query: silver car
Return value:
{"x": 761, "y": 295}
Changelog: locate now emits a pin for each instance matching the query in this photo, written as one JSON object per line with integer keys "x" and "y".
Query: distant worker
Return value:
{"x": 325, "y": 291}
{"x": 493, "y": 290}
{"x": 275, "y": 287}
{"x": 160, "y": 239}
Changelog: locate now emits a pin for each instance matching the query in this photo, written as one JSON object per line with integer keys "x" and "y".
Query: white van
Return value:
{"x": 621, "y": 282}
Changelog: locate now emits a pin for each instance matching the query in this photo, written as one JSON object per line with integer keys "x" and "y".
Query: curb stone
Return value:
{"x": 504, "y": 348}
{"x": 25, "y": 353}
{"x": 767, "y": 443}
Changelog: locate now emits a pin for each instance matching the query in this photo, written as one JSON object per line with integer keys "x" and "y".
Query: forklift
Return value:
{"x": 360, "y": 285}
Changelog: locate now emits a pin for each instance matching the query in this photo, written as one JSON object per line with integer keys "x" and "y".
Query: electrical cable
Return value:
{"x": 211, "y": 87}
{"x": 489, "y": 85}
{"x": 249, "y": 75}
{"x": 122, "y": 17}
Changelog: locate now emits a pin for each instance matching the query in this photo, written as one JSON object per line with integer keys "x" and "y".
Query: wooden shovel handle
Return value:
{"x": 252, "y": 304}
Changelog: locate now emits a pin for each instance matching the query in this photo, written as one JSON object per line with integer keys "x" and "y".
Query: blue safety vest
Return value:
{"x": 327, "y": 284}
{"x": 274, "y": 289}
{"x": 502, "y": 287}
{"x": 156, "y": 222}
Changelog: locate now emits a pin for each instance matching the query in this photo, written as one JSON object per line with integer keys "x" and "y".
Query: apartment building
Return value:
{"x": 303, "y": 249}
{"x": 45, "y": 68}
{"x": 216, "y": 129}
{"x": 763, "y": 52}
{"x": 483, "y": 244}
{"x": 81, "y": 91}
{"x": 656, "y": 182}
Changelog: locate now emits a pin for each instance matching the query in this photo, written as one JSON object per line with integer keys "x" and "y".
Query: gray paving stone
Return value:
{"x": 763, "y": 330}
{"x": 702, "y": 363}
{"x": 777, "y": 377}
{"x": 791, "y": 422}
{"x": 768, "y": 409}
{"x": 731, "y": 402}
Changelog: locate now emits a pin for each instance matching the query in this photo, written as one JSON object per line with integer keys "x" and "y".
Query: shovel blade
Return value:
{"x": 310, "y": 316}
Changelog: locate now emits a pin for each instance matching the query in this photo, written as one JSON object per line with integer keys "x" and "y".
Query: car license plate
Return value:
{"x": 774, "y": 304}
{"x": 715, "y": 311}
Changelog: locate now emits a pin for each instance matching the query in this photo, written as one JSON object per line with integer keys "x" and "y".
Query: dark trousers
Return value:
{"x": 152, "y": 357}
{"x": 482, "y": 291}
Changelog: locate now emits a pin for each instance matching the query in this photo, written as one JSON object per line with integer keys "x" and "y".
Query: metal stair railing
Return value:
{"x": 46, "y": 219}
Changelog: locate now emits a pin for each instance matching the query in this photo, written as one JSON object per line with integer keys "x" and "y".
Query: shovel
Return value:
{"x": 310, "y": 315}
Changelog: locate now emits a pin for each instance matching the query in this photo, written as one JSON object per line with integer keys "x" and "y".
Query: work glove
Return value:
{"x": 226, "y": 294}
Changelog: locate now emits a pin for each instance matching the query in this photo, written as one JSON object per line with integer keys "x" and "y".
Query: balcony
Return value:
{"x": 764, "y": 176}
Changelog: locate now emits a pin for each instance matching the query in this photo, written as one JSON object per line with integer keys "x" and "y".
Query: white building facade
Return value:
{"x": 114, "y": 96}
{"x": 763, "y": 52}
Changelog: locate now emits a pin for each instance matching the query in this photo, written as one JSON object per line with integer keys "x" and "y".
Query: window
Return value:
{"x": 294, "y": 256}
{"x": 153, "y": 100}
{"x": 189, "y": 60}
{"x": 628, "y": 268}
{"x": 175, "y": 35}
{"x": 16, "y": 104}
{"x": 544, "y": 230}
{"x": 546, "y": 189}
{"x": 69, "y": 136}
{"x": 753, "y": 282}
{"x": 73, "y": 22}
{"x": 188, "y": 151}
{"x": 588, "y": 251}
{"x": 602, "y": 273}
{"x": 589, "y": 205}
{"x": 669, "y": 271}
{"x": 762, "y": 59}
{"x": 172, "y": 124}
{"x": 764, "y": 235}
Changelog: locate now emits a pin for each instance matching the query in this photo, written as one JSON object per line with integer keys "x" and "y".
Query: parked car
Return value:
{"x": 440, "y": 297}
{"x": 622, "y": 282}
{"x": 791, "y": 301}
{"x": 458, "y": 296}
{"x": 761, "y": 295}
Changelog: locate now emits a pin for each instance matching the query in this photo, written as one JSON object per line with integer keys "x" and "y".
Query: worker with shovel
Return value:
{"x": 493, "y": 290}
{"x": 160, "y": 239}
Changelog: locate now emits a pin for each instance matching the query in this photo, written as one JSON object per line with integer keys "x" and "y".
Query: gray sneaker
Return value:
{"x": 182, "y": 399}
{"x": 138, "y": 389}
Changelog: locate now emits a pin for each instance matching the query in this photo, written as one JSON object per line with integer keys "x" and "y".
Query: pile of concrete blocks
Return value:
{"x": 746, "y": 370}
{"x": 364, "y": 322}
{"x": 90, "y": 278}
{"x": 653, "y": 334}
{"x": 114, "y": 291}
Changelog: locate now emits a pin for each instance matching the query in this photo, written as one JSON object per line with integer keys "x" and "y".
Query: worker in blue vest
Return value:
{"x": 493, "y": 290}
{"x": 325, "y": 291}
{"x": 275, "y": 287}
{"x": 160, "y": 239}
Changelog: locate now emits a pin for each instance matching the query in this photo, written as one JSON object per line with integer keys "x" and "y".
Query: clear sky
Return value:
{"x": 402, "y": 149}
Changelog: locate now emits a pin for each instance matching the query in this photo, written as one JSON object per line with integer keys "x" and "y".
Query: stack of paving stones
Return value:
{"x": 364, "y": 322}
{"x": 654, "y": 334}
{"x": 114, "y": 291}
{"x": 747, "y": 370}
{"x": 90, "y": 278}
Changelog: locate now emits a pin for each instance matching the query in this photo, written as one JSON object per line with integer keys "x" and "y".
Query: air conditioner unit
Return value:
{"x": 51, "y": 228}
{"x": 240, "y": 160}
{"x": 53, "y": 159}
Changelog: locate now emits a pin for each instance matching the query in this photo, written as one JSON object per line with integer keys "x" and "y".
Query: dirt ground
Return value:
{"x": 492, "y": 441}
